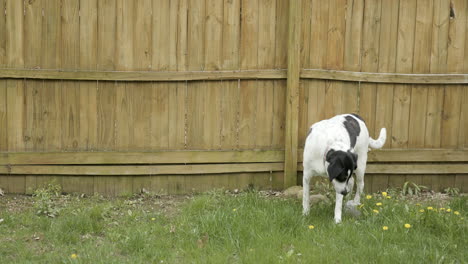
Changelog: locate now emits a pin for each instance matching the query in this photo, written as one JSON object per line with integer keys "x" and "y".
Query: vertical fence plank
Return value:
{"x": 103, "y": 112}
{"x": 306, "y": 19}
{"x": 162, "y": 23}
{"x": 266, "y": 47}
{"x": 352, "y": 53}
{"x": 384, "y": 92}
{"x": 335, "y": 55}
{"x": 370, "y": 59}
{"x": 319, "y": 41}
{"x": 88, "y": 58}
{"x": 3, "y": 35}
{"x": 387, "y": 53}
{"x": 70, "y": 95}
{"x": 230, "y": 61}
{"x": 196, "y": 90}
{"x": 402, "y": 95}
{"x": 464, "y": 119}
{"x": 32, "y": 59}
{"x": 248, "y": 60}
{"x": 279, "y": 104}
{"x": 292, "y": 94}
{"x": 32, "y": 33}
{"x": 89, "y": 47}
{"x": 421, "y": 64}
{"x": 15, "y": 88}
{"x": 3, "y": 117}
{"x": 213, "y": 60}
{"x": 141, "y": 92}
{"x": 453, "y": 93}
{"x": 14, "y": 52}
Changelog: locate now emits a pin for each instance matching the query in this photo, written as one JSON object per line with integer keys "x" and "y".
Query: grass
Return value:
{"x": 215, "y": 227}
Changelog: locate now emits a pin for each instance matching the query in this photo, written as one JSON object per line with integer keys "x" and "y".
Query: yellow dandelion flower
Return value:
{"x": 368, "y": 197}
{"x": 152, "y": 219}
{"x": 418, "y": 204}
{"x": 378, "y": 204}
{"x": 384, "y": 194}
{"x": 389, "y": 197}
{"x": 442, "y": 209}
{"x": 385, "y": 228}
{"x": 234, "y": 209}
{"x": 375, "y": 211}
{"x": 74, "y": 256}
{"x": 430, "y": 208}
{"x": 407, "y": 226}
{"x": 449, "y": 210}
{"x": 421, "y": 211}
{"x": 456, "y": 213}
{"x": 311, "y": 227}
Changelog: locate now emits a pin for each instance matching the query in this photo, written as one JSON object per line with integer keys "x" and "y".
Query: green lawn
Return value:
{"x": 249, "y": 227}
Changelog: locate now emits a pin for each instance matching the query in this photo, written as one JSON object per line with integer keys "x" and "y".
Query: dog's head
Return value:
{"x": 341, "y": 165}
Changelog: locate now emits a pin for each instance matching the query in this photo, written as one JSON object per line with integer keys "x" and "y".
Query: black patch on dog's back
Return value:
{"x": 352, "y": 126}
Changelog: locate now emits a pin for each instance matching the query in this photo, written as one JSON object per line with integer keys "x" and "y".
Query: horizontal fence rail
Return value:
{"x": 212, "y": 162}
{"x": 142, "y": 75}
{"x": 372, "y": 77}
{"x": 188, "y": 157}
{"x": 443, "y": 168}
{"x": 161, "y": 157}
{"x": 266, "y": 74}
{"x": 141, "y": 169}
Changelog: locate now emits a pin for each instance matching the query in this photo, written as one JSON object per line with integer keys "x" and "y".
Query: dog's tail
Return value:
{"x": 376, "y": 144}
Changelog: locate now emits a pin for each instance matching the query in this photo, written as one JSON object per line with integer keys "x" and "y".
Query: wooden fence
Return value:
{"x": 177, "y": 96}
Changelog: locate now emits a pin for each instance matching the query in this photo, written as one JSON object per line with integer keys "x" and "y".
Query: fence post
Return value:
{"x": 292, "y": 94}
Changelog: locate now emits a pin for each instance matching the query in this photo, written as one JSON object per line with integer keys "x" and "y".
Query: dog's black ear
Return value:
{"x": 330, "y": 155}
{"x": 354, "y": 157}
{"x": 335, "y": 169}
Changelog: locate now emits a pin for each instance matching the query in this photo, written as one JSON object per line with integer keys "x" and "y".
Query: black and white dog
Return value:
{"x": 337, "y": 147}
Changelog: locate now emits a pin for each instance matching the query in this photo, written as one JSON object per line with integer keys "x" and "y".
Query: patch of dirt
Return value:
{"x": 15, "y": 203}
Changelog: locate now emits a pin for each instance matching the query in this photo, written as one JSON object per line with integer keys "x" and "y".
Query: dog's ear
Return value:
{"x": 330, "y": 155}
{"x": 354, "y": 157}
{"x": 335, "y": 169}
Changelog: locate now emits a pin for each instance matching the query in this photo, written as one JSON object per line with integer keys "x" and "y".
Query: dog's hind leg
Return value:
{"x": 360, "y": 185}
{"x": 305, "y": 191}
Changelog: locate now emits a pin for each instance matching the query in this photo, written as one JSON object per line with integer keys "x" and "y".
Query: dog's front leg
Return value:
{"x": 305, "y": 192}
{"x": 338, "y": 207}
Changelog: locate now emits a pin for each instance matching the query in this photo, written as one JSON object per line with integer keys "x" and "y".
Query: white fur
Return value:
{"x": 331, "y": 134}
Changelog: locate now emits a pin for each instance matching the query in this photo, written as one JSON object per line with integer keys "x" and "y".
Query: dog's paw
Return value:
{"x": 337, "y": 220}
{"x": 305, "y": 212}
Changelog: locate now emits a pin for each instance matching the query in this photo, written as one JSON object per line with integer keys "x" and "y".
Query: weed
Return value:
{"x": 411, "y": 188}
{"x": 452, "y": 191}
{"x": 45, "y": 200}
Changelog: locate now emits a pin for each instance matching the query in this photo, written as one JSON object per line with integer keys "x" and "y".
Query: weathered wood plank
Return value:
{"x": 139, "y": 169}
{"x": 292, "y": 92}
{"x": 401, "y": 78}
{"x": 244, "y": 156}
{"x": 2, "y": 34}
{"x": 399, "y": 168}
{"x": 414, "y": 155}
